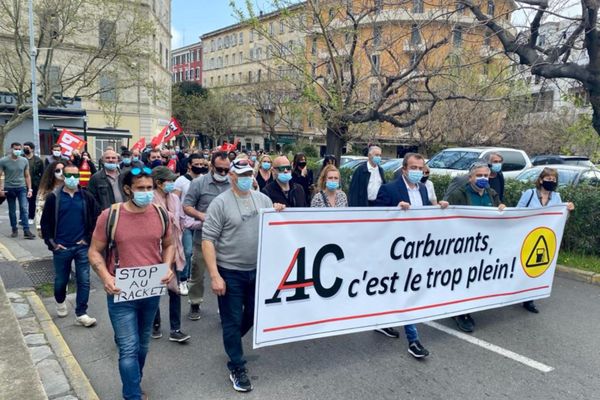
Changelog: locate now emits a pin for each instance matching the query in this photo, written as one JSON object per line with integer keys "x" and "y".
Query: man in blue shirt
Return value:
{"x": 68, "y": 221}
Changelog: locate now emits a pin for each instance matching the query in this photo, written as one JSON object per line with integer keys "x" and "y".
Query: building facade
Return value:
{"x": 186, "y": 63}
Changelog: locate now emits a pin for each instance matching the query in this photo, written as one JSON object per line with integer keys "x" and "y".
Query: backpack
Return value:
{"x": 111, "y": 228}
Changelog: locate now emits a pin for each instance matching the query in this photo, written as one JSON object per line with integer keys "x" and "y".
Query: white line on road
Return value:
{"x": 491, "y": 347}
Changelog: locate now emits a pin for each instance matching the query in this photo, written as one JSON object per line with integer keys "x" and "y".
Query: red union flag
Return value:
{"x": 69, "y": 141}
{"x": 139, "y": 145}
{"x": 171, "y": 130}
{"x": 158, "y": 139}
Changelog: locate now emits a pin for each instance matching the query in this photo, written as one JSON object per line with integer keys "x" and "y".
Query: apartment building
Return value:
{"x": 186, "y": 63}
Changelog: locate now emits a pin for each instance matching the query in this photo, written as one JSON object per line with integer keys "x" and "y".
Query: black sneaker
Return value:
{"x": 240, "y": 380}
{"x": 417, "y": 350}
{"x": 464, "y": 322}
{"x": 28, "y": 235}
{"x": 194, "y": 313}
{"x": 530, "y": 306}
{"x": 14, "y": 234}
{"x": 179, "y": 337}
{"x": 389, "y": 332}
{"x": 156, "y": 333}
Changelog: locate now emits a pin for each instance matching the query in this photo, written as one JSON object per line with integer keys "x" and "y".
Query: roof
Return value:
{"x": 565, "y": 166}
{"x": 480, "y": 148}
{"x": 183, "y": 49}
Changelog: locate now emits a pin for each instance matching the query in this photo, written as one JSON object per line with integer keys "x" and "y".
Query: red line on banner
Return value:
{"x": 353, "y": 221}
{"x": 349, "y": 317}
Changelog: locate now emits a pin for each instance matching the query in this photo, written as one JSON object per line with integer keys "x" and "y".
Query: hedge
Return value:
{"x": 582, "y": 232}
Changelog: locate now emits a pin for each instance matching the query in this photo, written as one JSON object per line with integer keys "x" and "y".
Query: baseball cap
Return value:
{"x": 241, "y": 166}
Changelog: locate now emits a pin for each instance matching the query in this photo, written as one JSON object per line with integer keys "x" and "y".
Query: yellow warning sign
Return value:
{"x": 538, "y": 251}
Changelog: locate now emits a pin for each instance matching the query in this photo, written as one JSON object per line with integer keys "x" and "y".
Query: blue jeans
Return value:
{"x": 412, "y": 335}
{"x": 188, "y": 245}
{"x": 236, "y": 309}
{"x": 174, "y": 312}
{"x": 12, "y": 195}
{"x": 62, "y": 270}
{"x": 132, "y": 324}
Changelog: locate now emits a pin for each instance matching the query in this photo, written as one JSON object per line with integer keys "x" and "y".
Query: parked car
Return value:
{"x": 393, "y": 164}
{"x": 567, "y": 174}
{"x": 558, "y": 159}
{"x": 456, "y": 161}
{"x": 353, "y": 164}
{"x": 345, "y": 160}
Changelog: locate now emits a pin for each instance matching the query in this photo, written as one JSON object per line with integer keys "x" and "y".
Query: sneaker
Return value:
{"x": 389, "y": 332}
{"x": 464, "y": 322}
{"x": 240, "y": 380}
{"x": 530, "y": 306}
{"x": 61, "y": 309}
{"x": 183, "y": 288}
{"x": 194, "y": 313}
{"x": 417, "y": 350}
{"x": 156, "y": 333}
{"x": 31, "y": 222}
{"x": 85, "y": 320}
{"x": 179, "y": 337}
{"x": 28, "y": 235}
{"x": 14, "y": 234}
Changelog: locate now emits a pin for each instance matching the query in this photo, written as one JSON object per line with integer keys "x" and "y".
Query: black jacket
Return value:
{"x": 50, "y": 214}
{"x": 357, "y": 195}
{"x": 304, "y": 181}
{"x": 101, "y": 189}
{"x": 295, "y": 198}
{"x": 36, "y": 170}
{"x": 392, "y": 193}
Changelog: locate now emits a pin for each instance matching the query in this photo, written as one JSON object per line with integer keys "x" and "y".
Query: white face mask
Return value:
{"x": 56, "y": 153}
{"x": 219, "y": 178}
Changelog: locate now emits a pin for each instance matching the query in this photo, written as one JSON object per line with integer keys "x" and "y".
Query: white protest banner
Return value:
{"x": 325, "y": 272}
{"x": 140, "y": 282}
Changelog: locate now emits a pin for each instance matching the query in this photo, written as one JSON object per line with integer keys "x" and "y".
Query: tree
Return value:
{"x": 187, "y": 101}
{"x": 219, "y": 113}
{"x": 72, "y": 60}
{"x": 553, "y": 57}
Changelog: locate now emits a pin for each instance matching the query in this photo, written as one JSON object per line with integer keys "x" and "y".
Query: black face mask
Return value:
{"x": 27, "y": 151}
{"x": 549, "y": 185}
{"x": 424, "y": 179}
{"x": 156, "y": 163}
{"x": 199, "y": 170}
{"x": 302, "y": 164}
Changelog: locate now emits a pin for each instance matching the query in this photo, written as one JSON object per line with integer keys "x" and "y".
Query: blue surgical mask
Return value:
{"x": 414, "y": 176}
{"x": 142, "y": 199}
{"x": 253, "y": 158}
{"x": 496, "y": 167}
{"x": 110, "y": 166}
{"x": 284, "y": 177}
{"x": 169, "y": 187}
{"x": 266, "y": 166}
{"x": 17, "y": 153}
{"x": 332, "y": 185}
{"x": 71, "y": 182}
{"x": 135, "y": 159}
{"x": 244, "y": 183}
{"x": 482, "y": 183}
{"x": 127, "y": 161}
{"x": 376, "y": 160}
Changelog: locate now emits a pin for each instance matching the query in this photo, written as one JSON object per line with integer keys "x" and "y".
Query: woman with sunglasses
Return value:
{"x": 51, "y": 179}
{"x": 542, "y": 195}
{"x": 164, "y": 182}
{"x": 264, "y": 175}
{"x": 329, "y": 194}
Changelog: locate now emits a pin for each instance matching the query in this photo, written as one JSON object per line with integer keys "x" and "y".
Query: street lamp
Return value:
{"x": 34, "y": 98}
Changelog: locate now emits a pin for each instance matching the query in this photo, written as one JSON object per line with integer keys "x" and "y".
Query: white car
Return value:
{"x": 456, "y": 161}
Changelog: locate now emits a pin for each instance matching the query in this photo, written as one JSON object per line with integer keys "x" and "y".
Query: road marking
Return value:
{"x": 6, "y": 253}
{"x": 491, "y": 347}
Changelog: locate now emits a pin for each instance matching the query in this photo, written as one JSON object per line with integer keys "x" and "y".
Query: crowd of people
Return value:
{"x": 199, "y": 212}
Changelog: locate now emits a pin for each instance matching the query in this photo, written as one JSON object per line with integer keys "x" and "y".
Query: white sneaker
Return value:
{"x": 61, "y": 309}
{"x": 183, "y": 288}
{"x": 31, "y": 222}
{"x": 86, "y": 320}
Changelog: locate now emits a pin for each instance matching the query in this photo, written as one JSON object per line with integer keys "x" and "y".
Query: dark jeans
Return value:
{"x": 31, "y": 202}
{"x": 12, "y": 196}
{"x": 132, "y": 324}
{"x": 236, "y": 309}
{"x": 174, "y": 312}
{"x": 62, "y": 269}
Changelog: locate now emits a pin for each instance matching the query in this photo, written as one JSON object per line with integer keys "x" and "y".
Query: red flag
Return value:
{"x": 173, "y": 129}
{"x": 69, "y": 141}
{"x": 139, "y": 145}
{"x": 158, "y": 139}
{"x": 172, "y": 164}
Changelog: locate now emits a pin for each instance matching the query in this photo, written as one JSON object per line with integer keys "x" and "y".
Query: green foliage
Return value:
{"x": 582, "y": 139}
{"x": 580, "y": 261}
{"x": 310, "y": 151}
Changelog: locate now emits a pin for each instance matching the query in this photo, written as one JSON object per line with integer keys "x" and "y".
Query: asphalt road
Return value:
{"x": 563, "y": 336}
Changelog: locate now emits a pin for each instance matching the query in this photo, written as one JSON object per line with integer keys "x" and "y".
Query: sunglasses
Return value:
{"x": 58, "y": 171}
{"x": 71, "y": 175}
{"x": 283, "y": 168}
{"x": 222, "y": 170}
{"x": 137, "y": 170}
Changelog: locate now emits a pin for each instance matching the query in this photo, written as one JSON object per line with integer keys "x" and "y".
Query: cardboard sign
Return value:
{"x": 140, "y": 282}
{"x": 69, "y": 141}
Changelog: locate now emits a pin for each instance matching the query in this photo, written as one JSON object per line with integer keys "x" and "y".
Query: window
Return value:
{"x": 258, "y": 75}
{"x": 414, "y": 59}
{"x": 240, "y": 77}
{"x": 249, "y": 76}
{"x": 241, "y": 40}
{"x": 313, "y": 49}
{"x": 418, "y": 6}
{"x": 54, "y": 80}
{"x": 281, "y": 27}
{"x": 349, "y": 6}
{"x": 226, "y": 78}
{"x": 269, "y": 51}
{"x": 271, "y": 30}
{"x": 51, "y": 24}
{"x": 107, "y": 87}
{"x": 212, "y": 45}
{"x": 491, "y": 8}
{"x": 251, "y": 54}
{"x": 542, "y": 40}
{"x": 258, "y": 53}
{"x": 251, "y": 35}
{"x": 241, "y": 58}
{"x": 590, "y": 178}
{"x": 377, "y": 33}
{"x": 375, "y": 63}
{"x": 457, "y": 36}
{"x": 378, "y": 6}
{"x": 415, "y": 35}
{"x": 512, "y": 161}
{"x": 220, "y": 62}
{"x": 219, "y": 43}
{"x": 233, "y": 59}
{"x": 331, "y": 14}
{"x": 198, "y": 73}
{"x": 166, "y": 58}
{"x": 232, "y": 78}
{"x": 160, "y": 53}
{"x": 106, "y": 34}
{"x": 460, "y": 8}
{"x": 211, "y": 80}
{"x": 374, "y": 92}
{"x": 487, "y": 39}
{"x": 226, "y": 60}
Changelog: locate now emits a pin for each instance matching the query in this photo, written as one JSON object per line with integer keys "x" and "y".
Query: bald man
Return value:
{"x": 105, "y": 185}
{"x": 282, "y": 190}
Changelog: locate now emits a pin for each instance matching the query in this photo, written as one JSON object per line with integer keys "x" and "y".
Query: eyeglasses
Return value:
{"x": 283, "y": 168}
{"x": 222, "y": 170}
{"x": 71, "y": 175}
{"x": 137, "y": 170}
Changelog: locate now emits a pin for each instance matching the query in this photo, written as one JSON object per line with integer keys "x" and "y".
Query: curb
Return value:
{"x": 77, "y": 378}
{"x": 6, "y": 253}
{"x": 578, "y": 274}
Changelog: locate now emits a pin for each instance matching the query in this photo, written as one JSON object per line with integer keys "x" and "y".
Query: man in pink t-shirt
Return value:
{"x": 139, "y": 242}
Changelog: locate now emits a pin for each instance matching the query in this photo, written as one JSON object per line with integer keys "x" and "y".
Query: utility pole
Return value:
{"x": 34, "y": 97}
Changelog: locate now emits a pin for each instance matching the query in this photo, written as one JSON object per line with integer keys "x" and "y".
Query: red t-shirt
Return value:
{"x": 138, "y": 237}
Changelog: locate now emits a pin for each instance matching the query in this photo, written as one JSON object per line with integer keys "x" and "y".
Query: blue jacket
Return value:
{"x": 392, "y": 193}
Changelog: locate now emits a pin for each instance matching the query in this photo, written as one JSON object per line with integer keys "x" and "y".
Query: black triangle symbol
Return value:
{"x": 539, "y": 254}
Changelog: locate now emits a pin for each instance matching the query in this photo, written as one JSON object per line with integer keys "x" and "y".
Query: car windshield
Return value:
{"x": 565, "y": 176}
{"x": 583, "y": 163}
{"x": 392, "y": 165}
{"x": 453, "y": 159}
